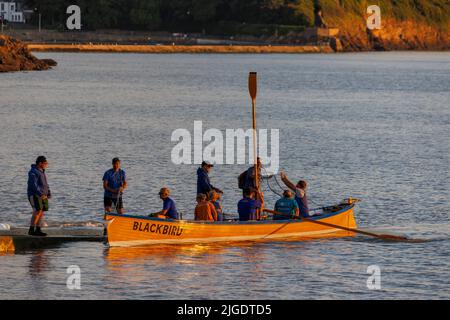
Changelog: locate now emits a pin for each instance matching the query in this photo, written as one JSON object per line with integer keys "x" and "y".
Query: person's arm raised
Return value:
{"x": 287, "y": 182}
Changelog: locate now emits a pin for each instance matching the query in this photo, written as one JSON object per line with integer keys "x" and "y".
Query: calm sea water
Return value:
{"x": 374, "y": 126}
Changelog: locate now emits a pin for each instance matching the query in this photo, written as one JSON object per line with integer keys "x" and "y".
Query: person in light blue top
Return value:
{"x": 287, "y": 206}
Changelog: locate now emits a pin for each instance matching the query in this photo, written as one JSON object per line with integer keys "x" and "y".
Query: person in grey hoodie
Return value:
{"x": 38, "y": 192}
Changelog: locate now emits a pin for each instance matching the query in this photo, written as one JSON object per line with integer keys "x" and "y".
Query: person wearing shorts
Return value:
{"x": 38, "y": 192}
{"x": 114, "y": 183}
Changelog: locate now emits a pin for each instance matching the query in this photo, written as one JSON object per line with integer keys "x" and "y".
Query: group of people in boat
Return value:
{"x": 293, "y": 203}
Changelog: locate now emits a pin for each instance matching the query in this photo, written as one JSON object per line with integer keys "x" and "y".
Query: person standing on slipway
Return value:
{"x": 38, "y": 192}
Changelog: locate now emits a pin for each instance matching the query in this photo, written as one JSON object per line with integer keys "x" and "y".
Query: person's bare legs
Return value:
{"x": 36, "y": 218}
{"x": 35, "y": 222}
{"x": 107, "y": 210}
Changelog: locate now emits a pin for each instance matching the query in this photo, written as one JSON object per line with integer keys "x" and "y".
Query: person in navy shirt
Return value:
{"x": 247, "y": 207}
{"x": 114, "y": 183}
{"x": 250, "y": 176}
{"x": 169, "y": 208}
{"x": 38, "y": 192}
{"x": 204, "y": 185}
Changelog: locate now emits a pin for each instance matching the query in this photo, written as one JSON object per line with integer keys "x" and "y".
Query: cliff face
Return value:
{"x": 405, "y": 25}
{"x": 15, "y": 56}
{"x": 409, "y": 35}
{"x": 394, "y": 35}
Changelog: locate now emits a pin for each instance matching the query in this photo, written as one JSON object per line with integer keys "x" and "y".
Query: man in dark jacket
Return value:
{"x": 38, "y": 193}
{"x": 204, "y": 185}
{"x": 250, "y": 177}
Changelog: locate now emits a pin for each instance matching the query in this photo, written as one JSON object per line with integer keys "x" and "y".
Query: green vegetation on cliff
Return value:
{"x": 231, "y": 16}
{"x": 406, "y": 24}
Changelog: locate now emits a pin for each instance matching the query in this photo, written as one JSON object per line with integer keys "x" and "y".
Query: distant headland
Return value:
{"x": 15, "y": 56}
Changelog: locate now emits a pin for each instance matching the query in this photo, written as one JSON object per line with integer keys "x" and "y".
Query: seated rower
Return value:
{"x": 216, "y": 201}
{"x": 169, "y": 208}
{"x": 248, "y": 206}
{"x": 300, "y": 194}
{"x": 287, "y": 206}
{"x": 205, "y": 210}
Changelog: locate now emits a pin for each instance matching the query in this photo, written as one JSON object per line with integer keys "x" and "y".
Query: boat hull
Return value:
{"x": 127, "y": 230}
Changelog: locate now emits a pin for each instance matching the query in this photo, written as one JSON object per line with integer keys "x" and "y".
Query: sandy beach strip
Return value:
{"x": 112, "y": 48}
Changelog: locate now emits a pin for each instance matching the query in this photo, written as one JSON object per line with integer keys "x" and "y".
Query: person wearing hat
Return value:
{"x": 38, "y": 192}
{"x": 204, "y": 185}
{"x": 287, "y": 206}
{"x": 114, "y": 183}
{"x": 169, "y": 208}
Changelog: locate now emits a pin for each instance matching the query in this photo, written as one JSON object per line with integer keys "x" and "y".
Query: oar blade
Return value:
{"x": 252, "y": 85}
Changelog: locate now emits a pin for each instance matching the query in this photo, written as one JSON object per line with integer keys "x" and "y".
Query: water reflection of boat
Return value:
{"x": 128, "y": 230}
{"x": 162, "y": 253}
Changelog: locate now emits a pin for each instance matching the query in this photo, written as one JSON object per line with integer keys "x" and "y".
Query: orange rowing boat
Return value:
{"x": 130, "y": 230}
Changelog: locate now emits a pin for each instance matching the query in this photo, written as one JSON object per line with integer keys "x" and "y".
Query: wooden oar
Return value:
{"x": 370, "y": 234}
{"x": 252, "y": 89}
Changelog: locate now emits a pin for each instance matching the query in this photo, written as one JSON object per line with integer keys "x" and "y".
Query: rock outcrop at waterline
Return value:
{"x": 395, "y": 35}
{"x": 15, "y": 56}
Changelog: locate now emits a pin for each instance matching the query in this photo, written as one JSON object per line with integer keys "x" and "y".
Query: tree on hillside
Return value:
{"x": 145, "y": 14}
{"x": 204, "y": 11}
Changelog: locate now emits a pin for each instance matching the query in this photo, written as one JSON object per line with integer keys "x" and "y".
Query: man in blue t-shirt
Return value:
{"x": 114, "y": 183}
{"x": 169, "y": 208}
{"x": 287, "y": 206}
{"x": 248, "y": 206}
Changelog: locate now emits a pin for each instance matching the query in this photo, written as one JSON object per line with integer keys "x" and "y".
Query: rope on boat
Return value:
{"x": 268, "y": 184}
{"x": 279, "y": 185}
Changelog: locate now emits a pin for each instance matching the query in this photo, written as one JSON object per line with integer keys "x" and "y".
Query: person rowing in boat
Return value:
{"x": 287, "y": 206}
{"x": 205, "y": 210}
{"x": 300, "y": 193}
{"x": 169, "y": 209}
{"x": 38, "y": 192}
{"x": 204, "y": 185}
{"x": 114, "y": 183}
{"x": 249, "y": 205}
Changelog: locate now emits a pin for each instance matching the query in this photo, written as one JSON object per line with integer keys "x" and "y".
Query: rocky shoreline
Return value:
{"x": 15, "y": 56}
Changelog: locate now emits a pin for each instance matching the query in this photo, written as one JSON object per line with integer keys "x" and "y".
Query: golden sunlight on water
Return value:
{"x": 371, "y": 125}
